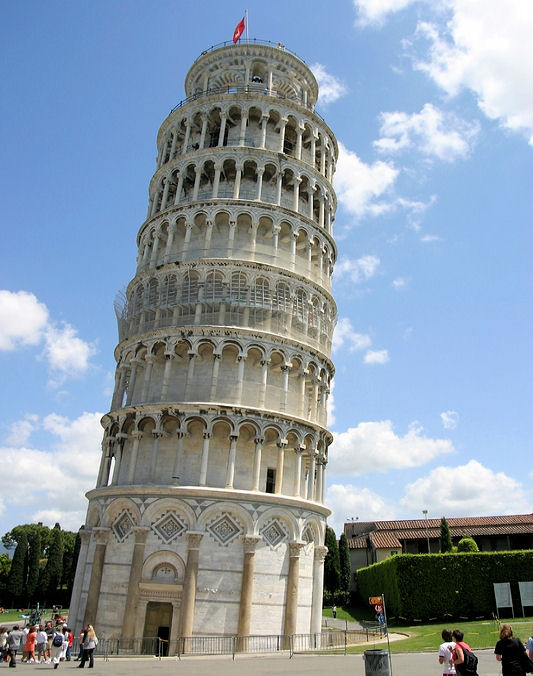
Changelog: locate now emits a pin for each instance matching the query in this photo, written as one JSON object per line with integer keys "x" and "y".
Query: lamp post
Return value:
{"x": 425, "y": 513}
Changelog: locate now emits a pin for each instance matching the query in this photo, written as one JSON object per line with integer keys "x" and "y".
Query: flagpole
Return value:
{"x": 246, "y": 23}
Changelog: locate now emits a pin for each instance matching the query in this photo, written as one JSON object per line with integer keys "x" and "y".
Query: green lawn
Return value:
{"x": 10, "y": 616}
{"x": 427, "y": 637}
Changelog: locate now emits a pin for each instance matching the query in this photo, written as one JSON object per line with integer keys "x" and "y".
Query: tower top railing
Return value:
{"x": 250, "y": 41}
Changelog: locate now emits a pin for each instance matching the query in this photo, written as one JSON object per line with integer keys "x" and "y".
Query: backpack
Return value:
{"x": 57, "y": 640}
{"x": 469, "y": 666}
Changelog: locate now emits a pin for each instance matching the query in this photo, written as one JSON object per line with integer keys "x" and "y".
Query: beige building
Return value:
{"x": 208, "y": 515}
{"x": 372, "y": 541}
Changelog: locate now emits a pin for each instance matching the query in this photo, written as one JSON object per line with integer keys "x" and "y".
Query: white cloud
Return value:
{"x": 349, "y": 501}
{"x": 466, "y": 490}
{"x": 432, "y": 132}
{"x": 360, "y": 187}
{"x": 58, "y": 475}
{"x": 22, "y": 319}
{"x": 330, "y": 88}
{"x": 66, "y": 352}
{"x": 449, "y": 419}
{"x": 346, "y": 336}
{"x": 25, "y": 321}
{"x": 376, "y": 357}
{"x": 358, "y": 270}
{"x": 399, "y": 282}
{"x": 376, "y": 11}
{"x": 374, "y": 447}
{"x": 20, "y": 430}
{"x": 431, "y": 238}
{"x": 486, "y": 47}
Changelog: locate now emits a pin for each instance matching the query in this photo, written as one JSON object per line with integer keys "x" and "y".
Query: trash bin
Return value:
{"x": 376, "y": 663}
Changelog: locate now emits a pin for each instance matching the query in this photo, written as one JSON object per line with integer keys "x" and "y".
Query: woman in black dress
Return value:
{"x": 510, "y": 652}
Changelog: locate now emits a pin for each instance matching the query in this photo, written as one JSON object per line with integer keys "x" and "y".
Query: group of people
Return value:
{"x": 509, "y": 650}
{"x": 46, "y": 644}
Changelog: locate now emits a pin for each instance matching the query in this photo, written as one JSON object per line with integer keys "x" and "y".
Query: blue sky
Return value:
{"x": 432, "y": 105}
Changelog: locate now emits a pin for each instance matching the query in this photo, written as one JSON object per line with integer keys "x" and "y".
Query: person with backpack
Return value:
{"x": 510, "y": 651}
{"x": 529, "y": 647}
{"x": 463, "y": 658}
{"x": 59, "y": 643}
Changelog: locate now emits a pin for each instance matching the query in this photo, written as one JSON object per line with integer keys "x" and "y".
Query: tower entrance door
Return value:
{"x": 158, "y": 623}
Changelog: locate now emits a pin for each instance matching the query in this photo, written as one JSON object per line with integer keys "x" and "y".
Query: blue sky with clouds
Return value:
{"x": 432, "y": 105}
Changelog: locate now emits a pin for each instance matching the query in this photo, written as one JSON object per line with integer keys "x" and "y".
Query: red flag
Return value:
{"x": 239, "y": 30}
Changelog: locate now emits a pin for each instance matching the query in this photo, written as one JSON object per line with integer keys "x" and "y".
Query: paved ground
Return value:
{"x": 406, "y": 664}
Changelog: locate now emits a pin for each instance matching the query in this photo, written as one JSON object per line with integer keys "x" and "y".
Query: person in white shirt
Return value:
{"x": 445, "y": 653}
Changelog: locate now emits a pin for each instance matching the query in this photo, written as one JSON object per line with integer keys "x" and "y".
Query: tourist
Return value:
{"x": 334, "y": 611}
{"x": 29, "y": 646}
{"x": 445, "y": 653}
{"x": 90, "y": 641}
{"x": 49, "y": 636}
{"x": 3, "y": 644}
{"x": 458, "y": 654}
{"x": 510, "y": 652}
{"x": 59, "y": 646}
{"x": 41, "y": 645}
{"x": 14, "y": 644}
{"x": 70, "y": 635}
{"x": 529, "y": 647}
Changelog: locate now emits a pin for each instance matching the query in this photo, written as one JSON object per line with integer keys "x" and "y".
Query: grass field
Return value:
{"x": 427, "y": 637}
{"x": 10, "y": 616}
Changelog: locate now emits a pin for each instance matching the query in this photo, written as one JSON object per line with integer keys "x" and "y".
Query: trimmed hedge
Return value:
{"x": 437, "y": 586}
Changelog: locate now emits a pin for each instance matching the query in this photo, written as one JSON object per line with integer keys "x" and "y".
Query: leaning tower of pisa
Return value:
{"x": 208, "y": 515}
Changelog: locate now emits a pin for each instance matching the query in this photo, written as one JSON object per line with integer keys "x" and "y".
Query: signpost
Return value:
{"x": 379, "y": 606}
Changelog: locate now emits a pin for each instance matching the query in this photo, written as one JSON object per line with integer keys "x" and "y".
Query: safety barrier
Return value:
{"x": 330, "y": 640}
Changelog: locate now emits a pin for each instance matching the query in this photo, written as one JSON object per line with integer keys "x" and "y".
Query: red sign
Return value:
{"x": 375, "y": 600}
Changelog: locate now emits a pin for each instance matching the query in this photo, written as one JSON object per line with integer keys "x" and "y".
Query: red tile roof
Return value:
{"x": 387, "y": 534}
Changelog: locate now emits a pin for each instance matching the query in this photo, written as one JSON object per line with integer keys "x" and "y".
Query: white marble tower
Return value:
{"x": 208, "y": 514}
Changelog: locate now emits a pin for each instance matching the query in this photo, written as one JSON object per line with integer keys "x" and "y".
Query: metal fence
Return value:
{"x": 330, "y": 639}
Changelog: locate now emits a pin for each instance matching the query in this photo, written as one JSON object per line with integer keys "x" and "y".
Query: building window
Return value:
{"x": 271, "y": 480}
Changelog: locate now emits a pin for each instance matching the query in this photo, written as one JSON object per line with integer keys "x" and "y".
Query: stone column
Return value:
{"x": 130, "y": 612}
{"x": 74, "y": 607}
{"x": 279, "y": 469}
{"x": 311, "y": 477}
{"x": 222, "y": 132}
{"x": 230, "y": 469}
{"x": 318, "y": 581}
{"x": 93, "y": 595}
{"x": 256, "y": 472}
{"x": 169, "y": 356}
{"x": 176, "y": 474}
{"x": 298, "y": 473}
{"x": 189, "y": 585}
{"x": 260, "y": 173}
{"x": 179, "y": 188}
{"x": 155, "y": 452}
{"x": 187, "y": 137}
{"x": 131, "y": 384}
{"x": 118, "y": 448}
{"x": 149, "y": 359}
{"x": 136, "y": 436}
{"x": 196, "y": 187}
{"x": 237, "y": 184}
{"x": 205, "y": 460}
{"x": 247, "y": 584}
{"x": 214, "y": 377}
{"x": 291, "y": 601}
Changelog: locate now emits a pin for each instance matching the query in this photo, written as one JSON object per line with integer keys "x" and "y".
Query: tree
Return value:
{"x": 72, "y": 562}
{"x": 467, "y": 544}
{"x": 445, "y": 537}
{"x": 16, "y": 581}
{"x": 52, "y": 572}
{"x": 332, "y": 566}
{"x": 34, "y": 562}
{"x": 345, "y": 569}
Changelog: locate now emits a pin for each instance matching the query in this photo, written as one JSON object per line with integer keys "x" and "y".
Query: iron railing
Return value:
{"x": 329, "y": 640}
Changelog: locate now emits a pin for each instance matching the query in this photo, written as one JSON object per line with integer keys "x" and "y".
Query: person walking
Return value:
{"x": 510, "y": 652}
{"x": 59, "y": 645}
{"x": 29, "y": 647}
{"x": 14, "y": 644}
{"x": 445, "y": 653}
{"x": 3, "y": 644}
{"x": 90, "y": 641}
{"x": 458, "y": 653}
